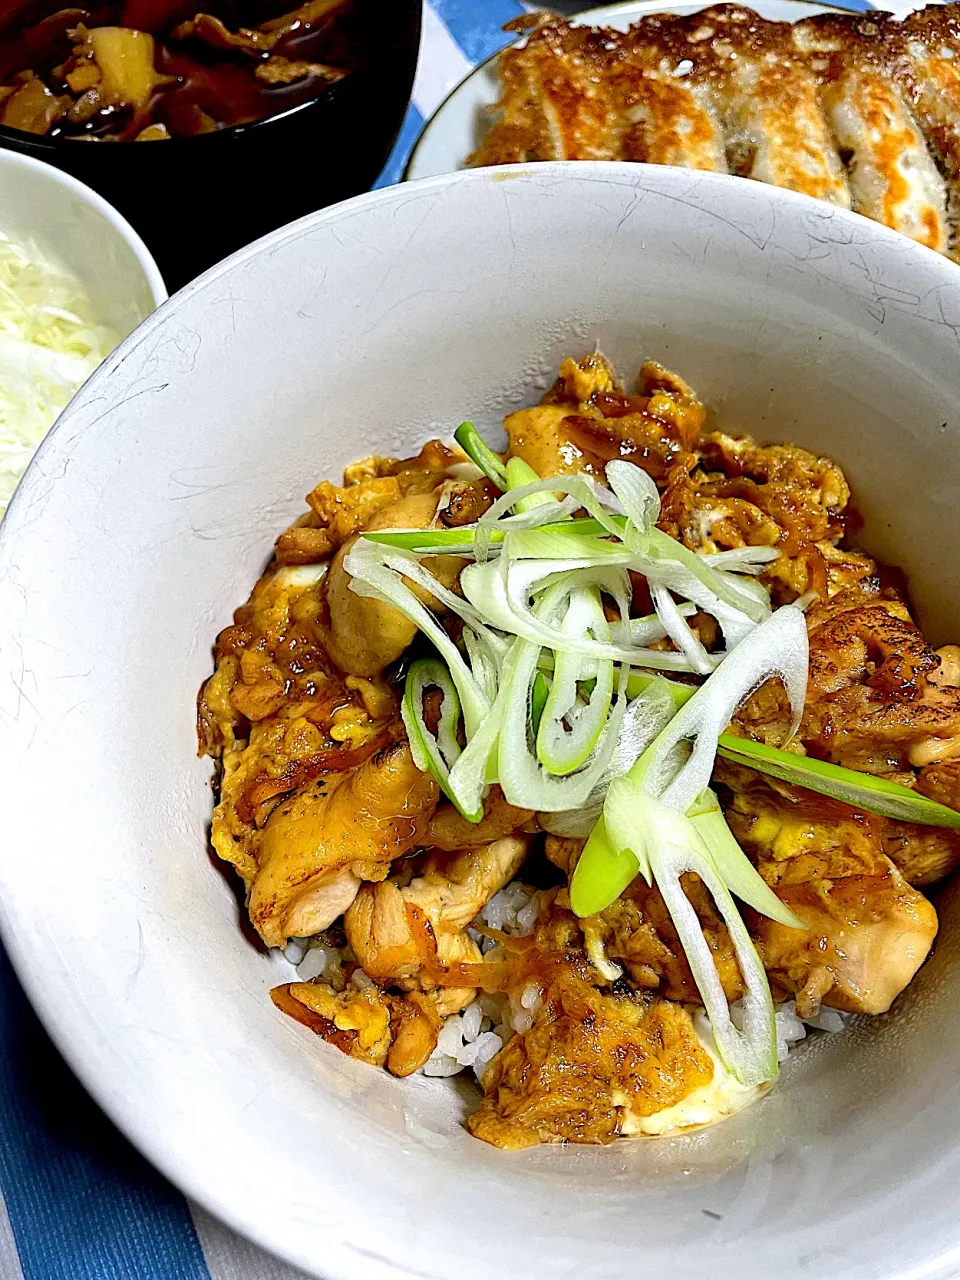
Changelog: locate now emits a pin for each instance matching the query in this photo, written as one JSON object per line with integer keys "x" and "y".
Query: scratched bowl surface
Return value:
{"x": 145, "y": 519}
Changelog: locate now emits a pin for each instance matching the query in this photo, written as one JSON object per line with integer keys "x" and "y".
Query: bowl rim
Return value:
{"x": 168, "y": 1155}
{"x": 119, "y": 224}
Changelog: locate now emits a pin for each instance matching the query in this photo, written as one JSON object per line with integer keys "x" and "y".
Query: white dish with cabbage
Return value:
{"x": 75, "y": 278}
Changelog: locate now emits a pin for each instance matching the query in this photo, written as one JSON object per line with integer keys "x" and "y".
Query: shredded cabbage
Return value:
{"x": 50, "y": 343}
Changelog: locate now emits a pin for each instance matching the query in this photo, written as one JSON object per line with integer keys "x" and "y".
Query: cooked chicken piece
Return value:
{"x": 404, "y": 936}
{"x": 276, "y": 715}
{"x": 745, "y": 494}
{"x": 356, "y": 1021}
{"x": 871, "y": 697}
{"x": 366, "y": 635}
{"x": 868, "y": 931}
{"x": 587, "y": 1060}
{"x": 304, "y": 542}
{"x": 948, "y": 673}
{"x": 343, "y": 511}
{"x": 319, "y": 845}
{"x": 585, "y": 420}
{"x": 373, "y": 483}
{"x": 564, "y": 852}
{"x": 940, "y": 748}
{"x": 449, "y": 830}
{"x": 848, "y": 570}
{"x": 538, "y": 436}
{"x": 775, "y": 820}
{"x": 866, "y": 936}
{"x": 465, "y": 501}
{"x": 922, "y": 855}
{"x": 804, "y": 492}
{"x": 399, "y": 1032}
{"x": 941, "y": 782}
{"x": 637, "y": 932}
{"x": 415, "y": 1021}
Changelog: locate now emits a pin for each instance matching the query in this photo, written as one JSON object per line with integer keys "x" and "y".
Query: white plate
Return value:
{"x": 149, "y": 513}
{"x": 455, "y": 129}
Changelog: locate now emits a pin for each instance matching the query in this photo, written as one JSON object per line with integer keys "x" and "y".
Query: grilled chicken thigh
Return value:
{"x": 321, "y": 843}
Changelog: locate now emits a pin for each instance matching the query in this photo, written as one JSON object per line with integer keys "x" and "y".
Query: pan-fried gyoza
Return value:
{"x": 604, "y": 768}
{"x": 859, "y": 110}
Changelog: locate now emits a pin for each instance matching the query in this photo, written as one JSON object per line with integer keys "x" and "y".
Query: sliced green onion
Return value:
{"x": 861, "y": 790}
{"x": 372, "y": 577}
{"x": 665, "y": 845}
{"x": 750, "y": 1054}
{"x": 638, "y": 494}
{"x": 518, "y": 510}
{"x": 569, "y": 728}
{"x": 477, "y": 450}
{"x": 411, "y": 569}
{"x": 741, "y": 559}
{"x": 538, "y": 700}
{"x": 581, "y": 491}
{"x": 434, "y": 754}
{"x": 566, "y": 542}
{"x": 427, "y": 541}
{"x": 524, "y": 780}
{"x": 680, "y": 693}
{"x": 681, "y": 634}
{"x": 500, "y": 592}
{"x": 476, "y": 769}
{"x": 645, "y": 717}
{"x": 461, "y": 541}
{"x": 778, "y": 647}
{"x": 485, "y": 660}
{"x": 601, "y": 874}
{"x": 732, "y": 864}
{"x": 662, "y": 549}
{"x": 521, "y": 473}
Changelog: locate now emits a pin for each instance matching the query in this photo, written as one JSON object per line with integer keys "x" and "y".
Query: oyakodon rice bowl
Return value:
{"x": 446, "y": 679}
{"x": 166, "y": 484}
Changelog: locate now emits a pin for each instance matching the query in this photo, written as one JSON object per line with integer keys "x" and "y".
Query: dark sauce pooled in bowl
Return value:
{"x": 146, "y": 70}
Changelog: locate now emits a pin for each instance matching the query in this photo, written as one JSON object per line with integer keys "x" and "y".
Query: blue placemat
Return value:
{"x": 78, "y": 1202}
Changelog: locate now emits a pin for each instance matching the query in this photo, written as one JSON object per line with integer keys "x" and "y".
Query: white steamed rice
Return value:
{"x": 473, "y": 1038}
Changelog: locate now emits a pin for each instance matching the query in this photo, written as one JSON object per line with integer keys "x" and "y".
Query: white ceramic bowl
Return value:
{"x": 369, "y": 327}
{"x": 69, "y": 221}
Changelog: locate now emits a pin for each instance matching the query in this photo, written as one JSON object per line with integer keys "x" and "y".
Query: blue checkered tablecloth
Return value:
{"x": 78, "y": 1202}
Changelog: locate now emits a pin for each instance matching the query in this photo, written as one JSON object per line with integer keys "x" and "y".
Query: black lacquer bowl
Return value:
{"x": 195, "y": 200}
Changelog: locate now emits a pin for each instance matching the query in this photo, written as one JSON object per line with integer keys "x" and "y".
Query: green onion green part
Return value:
{"x": 434, "y": 754}
{"x": 478, "y": 451}
{"x": 538, "y": 700}
{"x": 861, "y": 790}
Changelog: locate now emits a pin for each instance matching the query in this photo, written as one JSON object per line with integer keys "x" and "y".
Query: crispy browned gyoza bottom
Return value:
{"x": 859, "y": 110}
{"x": 334, "y": 830}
